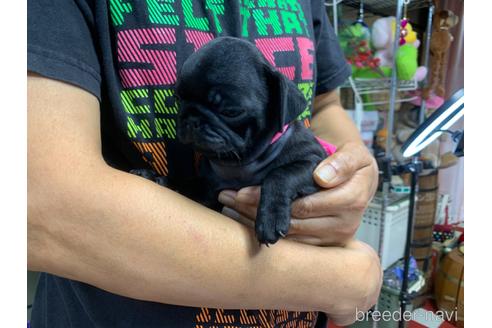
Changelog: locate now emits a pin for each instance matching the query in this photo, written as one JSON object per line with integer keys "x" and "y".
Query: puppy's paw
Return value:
{"x": 265, "y": 234}
{"x": 150, "y": 175}
{"x": 272, "y": 223}
{"x": 144, "y": 173}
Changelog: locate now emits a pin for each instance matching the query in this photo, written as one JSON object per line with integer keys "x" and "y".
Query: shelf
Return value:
{"x": 329, "y": 3}
{"x": 365, "y": 86}
{"x": 384, "y": 7}
{"x": 374, "y": 86}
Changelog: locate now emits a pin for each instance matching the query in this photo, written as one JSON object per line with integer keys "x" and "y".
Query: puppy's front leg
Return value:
{"x": 279, "y": 189}
{"x": 150, "y": 175}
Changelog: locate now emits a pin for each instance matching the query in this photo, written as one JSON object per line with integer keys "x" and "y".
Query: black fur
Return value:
{"x": 232, "y": 102}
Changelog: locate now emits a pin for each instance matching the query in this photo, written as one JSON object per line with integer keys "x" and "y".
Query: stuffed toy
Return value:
{"x": 355, "y": 42}
{"x": 383, "y": 31}
{"x": 353, "y": 34}
{"x": 439, "y": 45}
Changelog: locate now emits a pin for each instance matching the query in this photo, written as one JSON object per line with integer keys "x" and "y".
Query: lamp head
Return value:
{"x": 442, "y": 119}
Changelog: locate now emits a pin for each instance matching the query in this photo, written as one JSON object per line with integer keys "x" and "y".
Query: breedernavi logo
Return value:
{"x": 406, "y": 315}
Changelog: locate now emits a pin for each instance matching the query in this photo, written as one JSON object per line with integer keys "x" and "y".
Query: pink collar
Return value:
{"x": 279, "y": 134}
{"x": 328, "y": 147}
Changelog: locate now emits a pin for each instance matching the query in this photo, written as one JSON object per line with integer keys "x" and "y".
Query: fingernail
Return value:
{"x": 326, "y": 173}
{"x": 227, "y": 197}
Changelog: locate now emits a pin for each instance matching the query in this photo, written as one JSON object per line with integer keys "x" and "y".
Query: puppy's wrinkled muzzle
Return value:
{"x": 203, "y": 137}
{"x": 210, "y": 140}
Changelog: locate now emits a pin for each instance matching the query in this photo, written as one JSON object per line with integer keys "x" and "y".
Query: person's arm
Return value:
{"x": 331, "y": 122}
{"x": 127, "y": 235}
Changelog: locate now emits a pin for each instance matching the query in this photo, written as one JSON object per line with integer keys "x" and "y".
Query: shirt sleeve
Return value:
{"x": 60, "y": 42}
{"x": 331, "y": 66}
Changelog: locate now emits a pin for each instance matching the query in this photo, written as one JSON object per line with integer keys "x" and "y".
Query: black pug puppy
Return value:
{"x": 240, "y": 114}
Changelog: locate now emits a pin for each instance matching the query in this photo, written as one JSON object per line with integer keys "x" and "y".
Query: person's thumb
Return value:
{"x": 336, "y": 169}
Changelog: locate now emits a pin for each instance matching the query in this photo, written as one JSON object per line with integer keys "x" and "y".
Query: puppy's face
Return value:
{"x": 230, "y": 99}
{"x": 222, "y": 119}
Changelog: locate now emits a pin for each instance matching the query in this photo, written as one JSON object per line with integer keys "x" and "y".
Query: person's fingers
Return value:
{"x": 305, "y": 239}
{"x": 244, "y": 201}
{"x": 227, "y": 197}
{"x": 320, "y": 231}
{"x": 310, "y": 240}
{"x": 238, "y": 217}
{"x": 333, "y": 231}
{"x": 351, "y": 196}
{"x": 341, "y": 166}
{"x": 249, "y": 195}
{"x": 247, "y": 210}
{"x": 311, "y": 226}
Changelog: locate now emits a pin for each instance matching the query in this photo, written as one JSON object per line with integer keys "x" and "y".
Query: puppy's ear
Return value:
{"x": 285, "y": 99}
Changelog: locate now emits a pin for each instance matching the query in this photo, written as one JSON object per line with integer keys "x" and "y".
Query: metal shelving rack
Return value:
{"x": 387, "y": 8}
{"x": 368, "y": 85}
{"x": 360, "y": 86}
{"x": 375, "y": 86}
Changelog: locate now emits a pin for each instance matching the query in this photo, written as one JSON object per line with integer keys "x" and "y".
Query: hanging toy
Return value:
{"x": 406, "y": 56}
{"x": 360, "y": 21}
{"x": 404, "y": 24}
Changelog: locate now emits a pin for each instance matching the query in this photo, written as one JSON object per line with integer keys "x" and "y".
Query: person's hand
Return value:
{"x": 365, "y": 277}
{"x": 331, "y": 216}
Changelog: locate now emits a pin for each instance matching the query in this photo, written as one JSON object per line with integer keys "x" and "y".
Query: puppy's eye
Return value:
{"x": 230, "y": 113}
{"x": 215, "y": 98}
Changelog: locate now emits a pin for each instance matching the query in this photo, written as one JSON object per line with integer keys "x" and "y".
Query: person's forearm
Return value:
{"x": 132, "y": 237}
{"x": 331, "y": 122}
{"x": 127, "y": 235}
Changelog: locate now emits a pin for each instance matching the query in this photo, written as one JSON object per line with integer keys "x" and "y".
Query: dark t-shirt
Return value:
{"x": 128, "y": 54}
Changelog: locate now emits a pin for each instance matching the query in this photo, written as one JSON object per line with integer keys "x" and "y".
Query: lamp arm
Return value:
{"x": 455, "y": 135}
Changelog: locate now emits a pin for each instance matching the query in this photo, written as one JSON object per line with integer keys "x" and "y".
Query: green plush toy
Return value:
{"x": 406, "y": 62}
{"x": 406, "y": 57}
